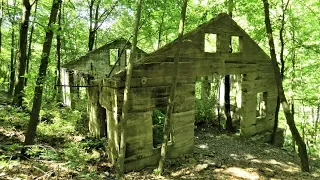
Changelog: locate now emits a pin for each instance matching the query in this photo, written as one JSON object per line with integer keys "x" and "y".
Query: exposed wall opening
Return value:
{"x": 210, "y": 43}
{"x": 235, "y": 44}
{"x": 261, "y": 104}
{"x": 114, "y": 55}
{"x": 210, "y": 100}
{"x": 158, "y": 117}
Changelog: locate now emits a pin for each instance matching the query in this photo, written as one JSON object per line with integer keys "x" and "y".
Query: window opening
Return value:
{"x": 158, "y": 117}
{"x": 210, "y": 43}
{"x": 262, "y": 104}
{"x": 235, "y": 44}
{"x": 114, "y": 55}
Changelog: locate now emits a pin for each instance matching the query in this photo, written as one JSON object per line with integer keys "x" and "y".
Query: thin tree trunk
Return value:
{"x": 289, "y": 117}
{"x": 125, "y": 107}
{"x": 18, "y": 91}
{"x": 58, "y": 75}
{"x": 161, "y": 27}
{"x": 93, "y": 24}
{"x": 227, "y": 88}
{"x": 227, "y": 105}
{"x": 12, "y": 61}
{"x": 316, "y": 123}
{"x": 94, "y": 20}
{"x": 1, "y": 17}
{"x": 37, "y": 99}
{"x": 218, "y": 100}
{"x": 30, "y": 42}
{"x": 12, "y": 56}
{"x": 171, "y": 101}
{"x": 293, "y": 76}
{"x": 276, "y": 118}
{"x": 91, "y": 34}
{"x": 293, "y": 140}
{"x": 205, "y": 89}
{"x": 303, "y": 121}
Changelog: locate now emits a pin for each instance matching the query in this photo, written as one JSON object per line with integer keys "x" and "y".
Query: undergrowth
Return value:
{"x": 62, "y": 146}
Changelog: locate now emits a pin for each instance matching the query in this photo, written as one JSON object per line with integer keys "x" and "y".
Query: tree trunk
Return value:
{"x": 12, "y": 62}
{"x": 58, "y": 75}
{"x": 91, "y": 34}
{"x": 227, "y": 105}
{"x": 12, "y": 19}
{"x": 218, "y": 102}
{"x": 1, "y": 17}
{"x": 205, "y": 89}
{"x": 18, "y": 91}
{"x": 37, "y": 99}
{"x": 93, "y": 24}
{"x": 91, "y": 40}
{"x": 95, "y": 19}
{"x": 293, "y": 76}
{"x": 227, "y": 88}
{"x": 276, "y": 119}
{"x": 293, "y": 140}
{"x": 303, "y": 121}
{"x": 171, "y": 101}
{"x": 316, "y": 123}
{"x": 161, "y": 28}
{"x": 289, "y": 117}
{"x": 125, "y": 107}
{"x": 30, "y": 42}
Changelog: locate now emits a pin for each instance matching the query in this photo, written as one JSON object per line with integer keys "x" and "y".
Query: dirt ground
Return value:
{"x": 222, "y": 156}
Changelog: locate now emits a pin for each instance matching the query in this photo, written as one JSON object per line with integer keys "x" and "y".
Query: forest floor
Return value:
{"x": 62, "y": 153}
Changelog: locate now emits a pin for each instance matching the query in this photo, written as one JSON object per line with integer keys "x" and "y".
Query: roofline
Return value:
{"x": 95, "y": 50}
{"x": 185, "y": 36}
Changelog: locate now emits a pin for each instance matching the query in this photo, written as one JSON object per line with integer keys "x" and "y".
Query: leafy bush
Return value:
{"x": 204, "y": 110}
{"x": 157, "y": 121}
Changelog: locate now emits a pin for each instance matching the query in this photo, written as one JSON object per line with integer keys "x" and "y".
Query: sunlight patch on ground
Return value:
{"x": 242, "y": 173}
{"x": 10, "y": 132}
{"x": 203, "y": 146}
{"x": 181, "y": 172}
{"x": 288, "y": 167}
{"x": 285, "y": 167}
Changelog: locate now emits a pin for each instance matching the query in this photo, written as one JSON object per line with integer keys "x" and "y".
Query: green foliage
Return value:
{"x": 204, "y": 110}
{"x": 204, "y": 107}
{"x": 156, "y": 172}
{"x": 5, "y": 165}
{"x": 41, "y": 152}
{"x": 158, "y": 116}
{"x": 157, "y": 128}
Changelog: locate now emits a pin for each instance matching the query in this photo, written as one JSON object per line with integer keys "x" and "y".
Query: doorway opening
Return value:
{"x": 210, "y": 100}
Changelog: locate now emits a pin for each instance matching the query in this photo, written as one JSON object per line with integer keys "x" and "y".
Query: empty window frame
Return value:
{"x": 158, "y": 117}
{"x": 262, "y": 104}
{"x": 114, "y": 55}
{"x": 235, "y": 44}
{"x": 210, "y": 43}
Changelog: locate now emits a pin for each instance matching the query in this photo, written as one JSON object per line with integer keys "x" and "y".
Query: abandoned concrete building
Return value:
{"x": 97, "y": 64}
{"x": 205, "y": 52}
